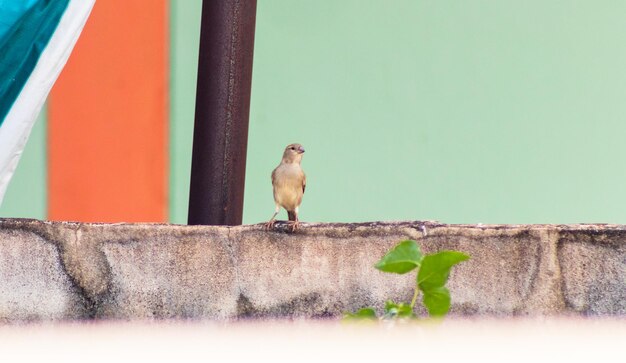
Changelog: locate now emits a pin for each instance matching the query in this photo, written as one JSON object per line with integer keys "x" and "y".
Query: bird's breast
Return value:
{"x": 288, "y": 183}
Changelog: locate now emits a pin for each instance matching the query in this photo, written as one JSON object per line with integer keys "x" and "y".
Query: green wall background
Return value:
{"x": 458, "y": 111}
{"x": 26, "y": 195}
{"x": 185, "y": 38}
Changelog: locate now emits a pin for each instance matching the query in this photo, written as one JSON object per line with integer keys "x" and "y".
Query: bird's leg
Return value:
{"x": 270, "y": 225}
{"x": 295, "y": 224}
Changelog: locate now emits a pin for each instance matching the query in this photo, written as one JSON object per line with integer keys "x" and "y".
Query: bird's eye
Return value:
{"x": 292, "y": 148}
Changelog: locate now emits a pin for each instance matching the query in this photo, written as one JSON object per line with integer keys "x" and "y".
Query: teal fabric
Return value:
{"x": 11, "y": 11}
{"x": 26, "y": 26}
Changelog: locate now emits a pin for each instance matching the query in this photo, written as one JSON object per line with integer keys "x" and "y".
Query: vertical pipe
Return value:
{"x": 222, "y": 110}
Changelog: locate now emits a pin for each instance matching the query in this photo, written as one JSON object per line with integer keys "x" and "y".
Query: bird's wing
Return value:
{"x": 303, "y": 182}
{"x": 274, "y": 177}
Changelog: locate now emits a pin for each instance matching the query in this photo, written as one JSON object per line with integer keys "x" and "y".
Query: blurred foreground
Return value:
{"x": 518, "y": 340}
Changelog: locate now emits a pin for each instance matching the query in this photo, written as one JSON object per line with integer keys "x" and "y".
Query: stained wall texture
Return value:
{"x": 60, "y": 270}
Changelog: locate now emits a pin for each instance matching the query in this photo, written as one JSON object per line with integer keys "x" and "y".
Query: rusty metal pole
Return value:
{"x": 220, "y": 138}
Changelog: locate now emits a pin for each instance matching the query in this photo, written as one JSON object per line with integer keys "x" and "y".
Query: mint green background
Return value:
{"x": 26, "y": 195}
{"x": 185, "y": 37}
{"x": 458, "y": 111}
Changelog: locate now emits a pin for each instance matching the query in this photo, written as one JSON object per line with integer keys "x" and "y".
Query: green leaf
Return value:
{"x": 437, "y": 301}
{"x": 362, "y": 314}
{"x": 436, "y": 268}
{"x": 432, "y": 277}
{"x": 403, "y": 258}
{"x": 401, "y": 310}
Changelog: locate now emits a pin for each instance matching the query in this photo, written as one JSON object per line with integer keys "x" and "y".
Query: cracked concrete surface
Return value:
{"x": 63, "y": 270}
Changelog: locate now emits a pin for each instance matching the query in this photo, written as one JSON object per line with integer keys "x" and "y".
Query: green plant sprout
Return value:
{"x": 432, "y": 275}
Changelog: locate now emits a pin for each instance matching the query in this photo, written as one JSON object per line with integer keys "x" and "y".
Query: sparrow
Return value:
{"x": 289, "y": 183}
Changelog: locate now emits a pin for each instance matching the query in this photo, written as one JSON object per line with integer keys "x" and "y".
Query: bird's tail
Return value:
{"x": 292, "y": 215}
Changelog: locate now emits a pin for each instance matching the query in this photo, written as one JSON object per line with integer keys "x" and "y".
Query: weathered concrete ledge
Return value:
{"x": 61, "y": 270}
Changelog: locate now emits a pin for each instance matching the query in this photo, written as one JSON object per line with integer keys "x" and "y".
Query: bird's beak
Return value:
{"x": 300, "y": 150}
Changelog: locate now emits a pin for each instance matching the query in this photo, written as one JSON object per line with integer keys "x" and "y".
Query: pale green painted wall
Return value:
{"x": 26, "y": 195}
{"x": 458, "y": 111}
{"x": 184, "y": 37}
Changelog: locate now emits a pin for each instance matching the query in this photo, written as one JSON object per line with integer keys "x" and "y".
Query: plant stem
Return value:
{"x": 414, "y": 297}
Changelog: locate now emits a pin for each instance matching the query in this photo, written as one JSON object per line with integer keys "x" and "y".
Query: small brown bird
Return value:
{"x": 289, "y": 183}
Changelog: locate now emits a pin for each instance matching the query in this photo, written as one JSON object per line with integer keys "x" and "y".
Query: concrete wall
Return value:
{"x": 128, "y": 271}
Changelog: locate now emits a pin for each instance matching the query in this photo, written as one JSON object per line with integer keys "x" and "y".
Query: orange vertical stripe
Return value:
{"x": 107, "y": 130}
